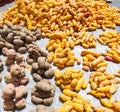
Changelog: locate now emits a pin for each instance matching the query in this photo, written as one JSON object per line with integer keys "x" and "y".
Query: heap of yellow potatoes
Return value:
{"x": 70, "y": 79}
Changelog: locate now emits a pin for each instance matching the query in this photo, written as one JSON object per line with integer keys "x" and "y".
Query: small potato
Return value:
{"x": 20, "y": 103}
{"x": 19, "y": 57}
{"x": 43, "y": 86}
{"x": 47, "y": 65}
{"x": 11, "y": 53}
{"x": 9, "y": 61}
{"x": 22, "y": 50}
{"x": 9, "y": 89}
{"x": 48, "y": 101}
{"x": 8, "y": 105}
{"x": 37, "y": 77}
{"x": 49, "y": 73}
{"x": 42, "y": 108}
{"x": 36, "y": 100}
{"x": 6, "y": 96}
{"x": 35, "y": 66}
{"x": 10, "y": 37}
{"x": 9, "y": 46}
{"x": 15, "y": 70}
{"x": 2, "y": 45}
{"x": 4, "y": 50}
{"x": 28, "y": 39}
{"x": 18, "y": 42}
{"x": 9, "y": 78}
{"x": 20, "y": 92}
{"x": 41, "y": 62}
{"x": 24, "y": 80}
{"x": 40, "y": 71}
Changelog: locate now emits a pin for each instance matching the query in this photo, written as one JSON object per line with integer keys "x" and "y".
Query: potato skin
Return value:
{"x": 20, "y": 103}
{"x": 43, "y": 86}
{"x": 9, "y": 105}
{"x": 49, "y": 73}
{"x": 36, "y": 100}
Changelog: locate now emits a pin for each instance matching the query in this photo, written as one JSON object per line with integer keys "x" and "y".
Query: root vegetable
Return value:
{"x": 49, "y": 73}
{"x": 9, "y": 105}
{"x": 20, "y": 103}
{"x": 36, "y": 100}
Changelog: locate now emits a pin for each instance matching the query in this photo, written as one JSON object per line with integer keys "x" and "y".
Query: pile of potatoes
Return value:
{"x": 70, "y": 79}
{"x": 43, "y": 92}
{"x": 12, "y": 57}
{"x": 74, "y": 102}
{"x": 34, "y": 52}
{"x": 93, "y": 61}
{"x": 14, "y": 97}
{"x": 84, "y": 39}
{"x": 103, "y": 85}
{"x": 17, "y": 75}
{"x": 17, "y": 37}
{"x": 43, "y": 108}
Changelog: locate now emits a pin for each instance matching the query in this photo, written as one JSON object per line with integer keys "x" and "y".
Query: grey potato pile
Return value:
{"x": 43, "y": 92}
{"x": 17, "y": 37}
{"x": 14, "y": 96}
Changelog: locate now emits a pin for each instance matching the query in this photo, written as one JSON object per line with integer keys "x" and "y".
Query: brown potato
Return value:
{"x": 43, "y": 86}
{"x": 20, "y": 92}
{"x": 9, "y": 78}
{"x": 36, "y": 100}
{"x": 11, "y": 53}
{"x": 15, "y": 70}
{"x": 49, "y": 73}
{"x": 48, "y": 101}
{"x": 36, "y": 77}
{"x": 20, "y": 103}
{"x": 9, "y": 89}
{"x": 9, "y": 105}
{"x": 24, "y": 80}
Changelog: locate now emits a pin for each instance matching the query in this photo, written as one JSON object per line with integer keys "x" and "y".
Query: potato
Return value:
{"x": 20, "y": 103}
{"x": 41, "y": 62}
{"x": 28, "y": 39}
{"x": 36, "y": 100}
{"x": 9, "y": 46}
{"x": 42, "y": 108}
{"x": 49, "y": 73}
{"x": 9, "y": 61}
{"x": 36, "y": 77}
{"x": 48, "y": 101}
{"x": 9, "y": 105}
{"x": 42, "y": 94}
{"x": 20, "y": 92}
{"x": 22, "y": 50}
{"x": 9, "y": 78}
{"x": 47, "y": 65}
{"x": 9, "y": 89}
{"x": 4, "y": 50}
{"x": 24, "y": 80}
{"x": 35, "y": 66}
{"x": 2, "y": 44}
{"x": 6, "y": 96}
{"x": 19, "y": 57}
{"x": 40, "y": 71}
{"x": 43, "y": 86}
{"x": 11, "y": 53}
{"x": 15, "y": 70}
{"x": 10, "y": 37}
{"x": 18, "y": 42}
